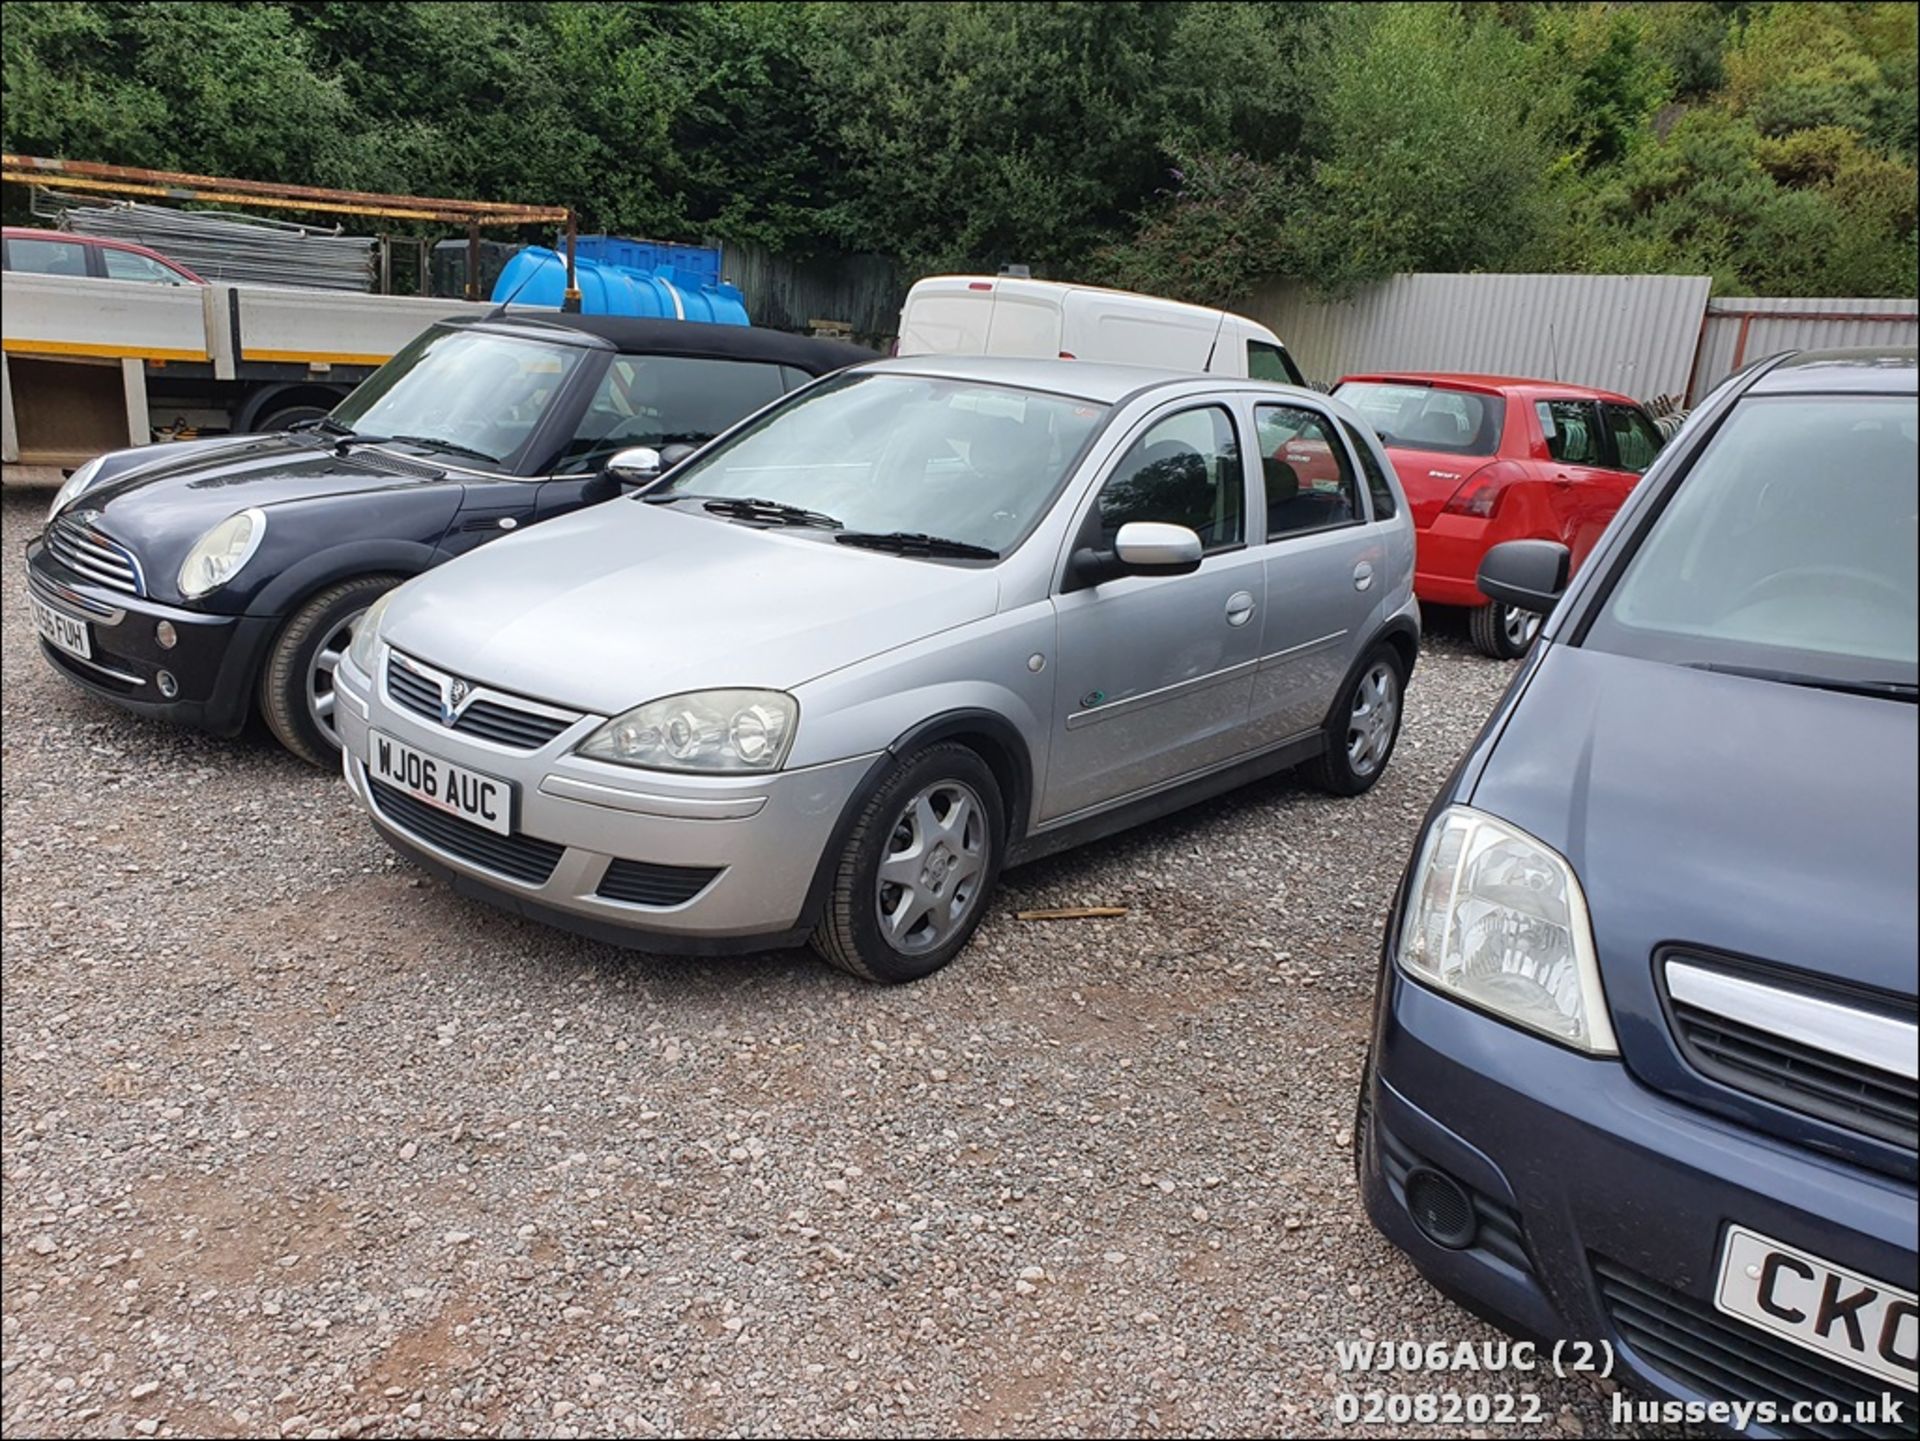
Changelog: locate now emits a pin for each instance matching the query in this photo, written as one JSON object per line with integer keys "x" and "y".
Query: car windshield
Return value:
{"x": 919, "y": 455}
{"x": 1428, "y": 417}
{"x": 474, "y": 394}
{"x": 1788, "y": 550}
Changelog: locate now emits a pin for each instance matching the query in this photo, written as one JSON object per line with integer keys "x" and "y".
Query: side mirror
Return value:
{"x": 1143, "y": 547}
{"x": 1525, "y": 574}
{"x": 635, "y": 466}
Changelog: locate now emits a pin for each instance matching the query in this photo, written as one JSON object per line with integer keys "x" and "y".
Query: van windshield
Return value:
{"x": 927, "y": 455}
{"x": 1788, "y": 550}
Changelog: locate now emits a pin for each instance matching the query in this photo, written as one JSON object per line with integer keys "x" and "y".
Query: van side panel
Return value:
{"x": 1138, "y": 330}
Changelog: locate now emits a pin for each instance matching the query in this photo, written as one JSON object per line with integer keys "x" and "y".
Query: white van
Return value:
{"x": 1008, "y": 315}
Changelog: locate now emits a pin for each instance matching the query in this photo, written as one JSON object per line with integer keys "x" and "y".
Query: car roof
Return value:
{"x": 1492, "y": 384}
{"x": 1886, "y": 370}
{"x": 677, "y": 337}
{"x": 1098, "y": 381}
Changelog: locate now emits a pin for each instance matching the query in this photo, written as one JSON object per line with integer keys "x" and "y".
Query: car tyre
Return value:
{"x": 1502, "y": 631}
{"x": 296, "y": 684}
{"x": 1364, "y": 726}
{"x": 914, "y": 875}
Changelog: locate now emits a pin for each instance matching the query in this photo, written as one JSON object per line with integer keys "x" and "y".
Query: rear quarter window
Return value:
{"x": 1428, "y": 417}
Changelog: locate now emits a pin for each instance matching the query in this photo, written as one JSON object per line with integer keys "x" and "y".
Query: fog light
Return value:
{"x": 1441, "y": 1208}
{"x": 169, "y": 687}
{"x": 166, "y": 635}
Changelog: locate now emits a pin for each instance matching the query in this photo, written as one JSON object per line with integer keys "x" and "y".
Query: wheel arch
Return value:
{"x": 997, "y": 742}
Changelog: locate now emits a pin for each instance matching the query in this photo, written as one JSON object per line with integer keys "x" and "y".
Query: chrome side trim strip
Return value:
{"x": 1879, "y": 1041}
{"x": 1155, "y": 697}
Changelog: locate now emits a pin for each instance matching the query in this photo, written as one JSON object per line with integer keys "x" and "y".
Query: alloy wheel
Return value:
{"x": 1521, "y": 626}
{"x": 320, "y": 671}
{"x": 936, "y": 858}
{"x": 1374, "y": 718}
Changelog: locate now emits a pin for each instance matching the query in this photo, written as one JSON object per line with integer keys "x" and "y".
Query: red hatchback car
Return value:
{"x": 1486, "y": 458}
{"x": 58, "y": 252}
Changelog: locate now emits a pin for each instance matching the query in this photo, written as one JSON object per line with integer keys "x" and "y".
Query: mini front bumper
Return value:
{"x": 754, "y": 844}
{"x": 210, "y": 668}
{"x": 1601, "y": 1206}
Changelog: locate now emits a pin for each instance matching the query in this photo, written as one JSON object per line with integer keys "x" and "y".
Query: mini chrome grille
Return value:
{"x": 73, "y": 541}
{"x": 471, "y": 710}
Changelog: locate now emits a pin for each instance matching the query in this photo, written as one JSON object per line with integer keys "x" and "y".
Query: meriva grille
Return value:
{"x": 1827, "y": 1056}
{"x": 73, "y": 541}
{"x": 1691, "y": 1342}
{"x": 424, "y": 691}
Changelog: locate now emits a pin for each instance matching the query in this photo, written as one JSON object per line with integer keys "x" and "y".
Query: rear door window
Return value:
{"x": 1635, "y": 440}
{"x": 1428, "y": 417}
{"x": 1309, "y": 481}
{"x": 125, "y": 265}
{"x": 1572, "y": 429}
{"x": 660, "y": 400}
{"x": 47, "y": 257}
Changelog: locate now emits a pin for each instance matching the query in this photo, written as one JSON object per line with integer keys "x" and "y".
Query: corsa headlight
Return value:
{"x": 703, "y": 731}
{"x": 364, "y": 649}
{"x": 217, "y": 556}
{"x": 74, "y": 486}
{"x": 1497, "y": 920}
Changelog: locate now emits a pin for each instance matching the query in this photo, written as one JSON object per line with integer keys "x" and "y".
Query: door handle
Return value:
{"x": 1563, "y": 479}
{"x": 1239, "y": 607}
{"x": 1362, "y": 575}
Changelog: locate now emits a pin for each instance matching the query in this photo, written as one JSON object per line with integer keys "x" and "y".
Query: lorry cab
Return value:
{"x": 1045, "y": 319}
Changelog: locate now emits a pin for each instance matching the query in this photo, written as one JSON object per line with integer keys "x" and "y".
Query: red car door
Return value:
{"x": 1583, "y": 490}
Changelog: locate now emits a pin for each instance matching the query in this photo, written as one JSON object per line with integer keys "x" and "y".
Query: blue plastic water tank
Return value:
{"x": 537, "y": 276}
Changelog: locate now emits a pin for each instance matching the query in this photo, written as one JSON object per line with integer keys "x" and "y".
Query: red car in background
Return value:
{"x": 1486, "y": 458}
{"x": 59, "y": 252}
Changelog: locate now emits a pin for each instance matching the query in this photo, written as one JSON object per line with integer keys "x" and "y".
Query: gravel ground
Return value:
{"x": 298, "y": 1143}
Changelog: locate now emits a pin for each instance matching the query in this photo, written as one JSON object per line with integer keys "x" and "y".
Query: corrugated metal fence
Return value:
{"x": 1630, "y": 333}
{"x": 1740, "y": 329}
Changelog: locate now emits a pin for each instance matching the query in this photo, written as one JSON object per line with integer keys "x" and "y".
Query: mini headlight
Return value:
{"x": 702, "y": 731}
{"x": 74, "y": 486}
{"x": 1497, "y": 920}
{"x": 364, "y": 649}
{"x": 217, "y": 556}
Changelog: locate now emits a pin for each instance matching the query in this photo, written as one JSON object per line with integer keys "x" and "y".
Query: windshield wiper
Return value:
{"x": 769, "y": 512}
{"x": 1887, "y": 689}
{"x": 452, "y": 447}
{"x": 913, "y": 542}
{"x": 337, "y": 435}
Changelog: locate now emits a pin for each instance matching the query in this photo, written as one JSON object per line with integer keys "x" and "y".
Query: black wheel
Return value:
{"x": 1503, "y": 631}
{"x": 286, "y": 415}
{"x": 1364, "y": 727}
{"x": 913, "y": 879}
{"x": 296, "y": 684}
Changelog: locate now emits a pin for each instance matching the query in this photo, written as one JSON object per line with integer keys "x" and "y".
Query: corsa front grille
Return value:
{"x": 1691, "y": 1342}
{"x": 496, "y": 720}
{"x": 73, "y": 541}
{"x": 521, "y": 858}
{"x": 643, "y": 884}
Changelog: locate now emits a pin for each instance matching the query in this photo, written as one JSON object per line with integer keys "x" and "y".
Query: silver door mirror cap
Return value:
{"x": 636, "y": 465}
{"x": 1152, "y": 547}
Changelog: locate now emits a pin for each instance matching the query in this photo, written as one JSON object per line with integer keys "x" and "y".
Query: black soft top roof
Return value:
{"x": 683, "y": 337}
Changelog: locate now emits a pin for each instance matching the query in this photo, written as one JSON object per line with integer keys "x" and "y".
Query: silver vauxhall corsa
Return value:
{"x": 919, "y": 621}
